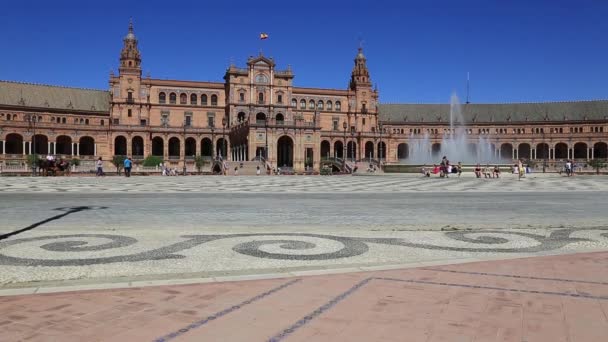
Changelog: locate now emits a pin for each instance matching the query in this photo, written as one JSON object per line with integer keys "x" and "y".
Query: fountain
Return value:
{"x": 455, "y": 144}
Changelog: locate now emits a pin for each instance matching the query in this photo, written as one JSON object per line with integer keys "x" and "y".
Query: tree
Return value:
{"x": 119, "y": 162}
{"x": 32, "y": 160}
{"x": 199, "y": 162}
{"x": 597, "y": 164}
{"x": 152, "y": 160}
{"x": 75, "y": 161}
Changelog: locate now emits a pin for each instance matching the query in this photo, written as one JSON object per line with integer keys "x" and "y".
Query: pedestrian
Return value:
{"x": 459, "y": 169}
{"x": 257, "y": 171}
{"x": 236, "y": 170}
{"x": 99, "y": 165}
{"x": 128, "y": 163}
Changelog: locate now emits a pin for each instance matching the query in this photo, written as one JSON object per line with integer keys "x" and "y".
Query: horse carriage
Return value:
{"x": 53, "y": 167}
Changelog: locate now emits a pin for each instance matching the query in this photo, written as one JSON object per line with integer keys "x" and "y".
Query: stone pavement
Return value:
{"x": 552, "y": 298}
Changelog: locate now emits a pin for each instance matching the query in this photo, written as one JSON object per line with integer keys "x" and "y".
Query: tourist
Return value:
{"x": 496, "y": 171}
{"x": 486, "y": 171}
{"x": 459, "y": 169}
{"x": 478, "y": 171}
{"x": 99, "y": 165}
{"x": 444, "y": 167}
{"x": 520, "y": 169}
{"x": 127, "y": 164}
{"x": 236, "y": 170}
{"x": 257, "y": 171}
{"x": 436, "y": 169}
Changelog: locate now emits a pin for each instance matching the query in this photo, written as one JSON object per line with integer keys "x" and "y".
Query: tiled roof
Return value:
{"x": 508, "y": 112}
{"x": 56, "y": 97}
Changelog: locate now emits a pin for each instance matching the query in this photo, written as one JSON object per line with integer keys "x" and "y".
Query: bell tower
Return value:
{"x": 130, "y": 59}
{"x": 360, "y": 75}
{"x": 365, "y": 98}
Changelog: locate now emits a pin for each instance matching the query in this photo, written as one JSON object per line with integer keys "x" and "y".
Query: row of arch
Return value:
{"x": 63, "y": 144}
{"x": 183, "y": 99}
{"x": 174, "y": 147}
{"x": 369, "y": 151}
{"x": 320, "y": 105}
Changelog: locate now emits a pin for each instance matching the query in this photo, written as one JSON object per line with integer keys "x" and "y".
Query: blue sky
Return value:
{"x": 418, "y": 51}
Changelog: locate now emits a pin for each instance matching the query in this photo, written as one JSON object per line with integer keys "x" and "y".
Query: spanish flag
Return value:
{"x": 263, "y": 36}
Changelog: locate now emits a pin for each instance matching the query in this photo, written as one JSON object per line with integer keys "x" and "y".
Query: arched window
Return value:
{"x": 214, "y": 100}
{"x": 311, "y": 104}
{"x": 63, "y": 120}
{"x": 162, "y": 98}
{"x": 279, "y": 98}
{"x": 320, "y": 105}
{"x": 261, "y": 78}
{"x": 280, "y": 119}
{"x": 204, "y": 99}
{"x": 183, "y": 99}
{"x": 302, "y": 104}
{"x": 294, "y": 103}
{"x": 8, "y": 117}
{"x": 86, "y": 121}
{"x": 260, "y": 97}
{"x": 242, "y": 97}
{"x": 172, "y": 98}
{"x": 338, "y": 106}
{"x": 329, "y": 105}
{"x": 193, "y": 99}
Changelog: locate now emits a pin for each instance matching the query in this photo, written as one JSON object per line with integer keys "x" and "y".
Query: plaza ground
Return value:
{"x": 369, "y": 252}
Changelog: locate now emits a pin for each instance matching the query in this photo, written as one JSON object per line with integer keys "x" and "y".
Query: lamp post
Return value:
{"x": 212, "y": 143}
{"x": 380, "y": 149}
{"x": 185, "y": 124}
{"x": 224, "y": 145}
{"x": 31, "y": 122}
{"x": 352, "y": 144}
{"x": 344, "y": 125}
{"x": 266, "y": 134}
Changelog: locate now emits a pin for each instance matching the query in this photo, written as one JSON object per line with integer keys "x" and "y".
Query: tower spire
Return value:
{"x": 130, "y": 58}
{"x": 360, "y": 74}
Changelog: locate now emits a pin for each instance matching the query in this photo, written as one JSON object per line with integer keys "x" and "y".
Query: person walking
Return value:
{"x": 99, "y": 165}
{"x": 128, "y": 163}
{"x": 257, "y": 171}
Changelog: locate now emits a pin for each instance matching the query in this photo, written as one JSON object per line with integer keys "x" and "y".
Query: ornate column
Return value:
{"x": 95, "y": 149}
{"x": 48, "y": 149}
{"x": 24, "y": 145}
{"x": 3, "y": 147}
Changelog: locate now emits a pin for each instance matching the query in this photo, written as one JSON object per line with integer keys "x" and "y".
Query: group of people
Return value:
{"x": 487, "y": 171}
{"x": 569, "y": 167}
{"x": 444, "y": 169}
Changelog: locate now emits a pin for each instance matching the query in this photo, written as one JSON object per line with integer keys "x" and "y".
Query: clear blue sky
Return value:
{"x": 418, "y": 51}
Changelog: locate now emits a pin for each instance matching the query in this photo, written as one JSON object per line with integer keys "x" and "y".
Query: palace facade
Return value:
{"x": 258, "y": 113}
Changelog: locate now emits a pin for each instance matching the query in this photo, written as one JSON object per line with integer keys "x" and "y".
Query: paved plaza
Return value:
{"x": 304, "y": 244}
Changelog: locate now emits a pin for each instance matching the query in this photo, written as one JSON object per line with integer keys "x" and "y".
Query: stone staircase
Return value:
{"x": 249, "y": 167}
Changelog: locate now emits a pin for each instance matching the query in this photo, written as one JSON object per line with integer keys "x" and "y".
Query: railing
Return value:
{"x": 174, "y": 157}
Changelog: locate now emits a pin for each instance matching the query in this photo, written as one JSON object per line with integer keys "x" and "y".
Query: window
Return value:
{"x": 188, "y": 121}
{"x": 162, "y": 98}
{"x": 8, "y": 117}
{"x": 302, "y": 104}
{"x": 193, "y": 99}
{"x": 63, "y": 120}
{"x": 210, "y": 121}
{"x": 172, "y": 98}
{"x": 329, "y": 105}
{"x": 116, "y": 121}
{"x": 142, "y": 122}
{"x": 363, "y": 107}
{"x": 86, "y": 121}
{"x": 242, "y": 97}
{"x": 260, "y": 97}
{"x": 101, "y": 123}
{"x": 335, "y": 125}
{"x": 311, "y": 104}
{"x": 130, "y": 96}
{"x": 183, "y": 99}
{"x": 261, "y": 78}
{"x": 204, "y": 99}
{"x": 279, "y": 98}
{"x": 164, "y": 118}
{"x": 363, "y": 121}
{"x": 280, "y": 119}
{"x": 294, "y": 103}
{"x": 338, "y": 106}
{"x": 320, "y": 105}
{"x": 214, "y": 100}
{"x": 129, "y": 113}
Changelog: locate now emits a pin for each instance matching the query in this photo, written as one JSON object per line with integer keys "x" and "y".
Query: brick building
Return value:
{"x": 257, "y": 112}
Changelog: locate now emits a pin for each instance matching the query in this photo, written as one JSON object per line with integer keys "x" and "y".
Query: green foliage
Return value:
{"x": 326, "y": 171}
{"x": 152, "y": 160}
{"x": 597, "y": 164}
{"x": 75, "y": 161}
{"x": 32, "y": 160}
{"x": 118, "y": 161}
{"x": 199, "y": 162}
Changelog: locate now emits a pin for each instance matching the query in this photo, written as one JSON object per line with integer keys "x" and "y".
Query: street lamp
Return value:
{"x": 344, "y": 125}
{"x": 380, "y": 149}
{"x": 185, "y": 124}
{"x": 224, "y": 145}
{"x": 266, "y": 134}
{"x": 31, "y": 123}
{"x": 352, "y": 144}
{"x": 212, "y": 142}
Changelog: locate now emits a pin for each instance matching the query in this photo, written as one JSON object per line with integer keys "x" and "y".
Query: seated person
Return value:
{"x": 486, "y": 172}
{"x": 496, "y": 171}
{"x": 478, "y": 171}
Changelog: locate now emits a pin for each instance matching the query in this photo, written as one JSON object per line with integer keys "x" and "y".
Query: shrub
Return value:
{"x": 75, "y": 161}
{"x": 152, "y": 160}
{"x": 597, "y": 164}
{"x": 118, "y": 161}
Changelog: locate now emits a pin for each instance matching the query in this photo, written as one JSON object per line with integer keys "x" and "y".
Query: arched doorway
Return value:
{"x": 63, "y": 145}
{"x": 600, "y": 150}
{"x": 369, "y": 150}
{"x": 580, "y": 151}
{"x": 523, "y": 151}
{"x": 561, "y": 151}
{"x": 382, "y": 150}
{"x": 435, "y": 150}
{"x": 120, "y": 146}
{"x": 351, "y": 150}
{"x": 325, "y": 148}
{"x": 240, "y": 117}
{"x": 542, "y": 151}
{"x": 402, "y": 151}
{"x": 86, "y": 146}
{"x": 41, "y": 144}
{"x": 14, "y": 144}
{"x": 137, "y": 146}
{"x": 174, "y": 148}
{"x": 206, "y": 147}
{"x": 506, "y": 151}
{"x": 339, "y": 149}
{"x": 260, "y": 118}
{"x": 158, "y": 146}
{"x": 285, "y": 152}
{"x": 190, "y": 147}
{"x": 222, "y": 147}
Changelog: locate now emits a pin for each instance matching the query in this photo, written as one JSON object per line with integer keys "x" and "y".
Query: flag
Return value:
{"x": 263, "y": 36}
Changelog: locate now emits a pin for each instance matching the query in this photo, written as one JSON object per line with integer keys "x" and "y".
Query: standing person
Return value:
{"x": 257, "y": 171}
{"x": 459, "y": 169}
{"x": 128, "y": 163}
{"x": 520, "y": 169}
{"x": 99, "y": 165}
{"x": 236, "y": 170}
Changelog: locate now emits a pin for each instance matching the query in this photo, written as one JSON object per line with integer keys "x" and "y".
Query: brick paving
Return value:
{"x": 551, "y": 298}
